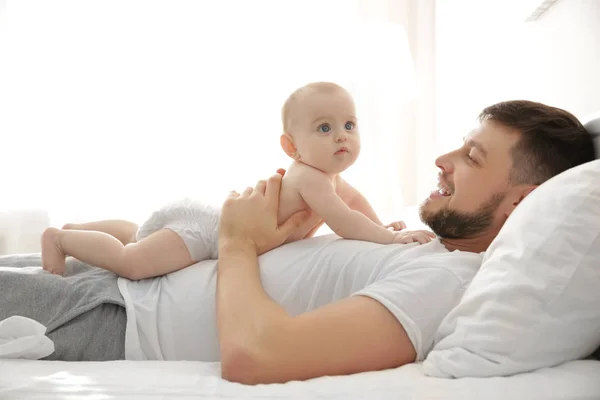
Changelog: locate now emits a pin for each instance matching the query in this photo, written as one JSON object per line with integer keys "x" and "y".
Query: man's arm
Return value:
{"x": 355, "y": 200}
{"x": 261, "y": 343}
{"x": 318, "y": 193}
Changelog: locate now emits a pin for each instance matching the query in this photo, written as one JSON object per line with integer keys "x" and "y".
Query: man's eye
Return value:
{"x": 470, "y": 159}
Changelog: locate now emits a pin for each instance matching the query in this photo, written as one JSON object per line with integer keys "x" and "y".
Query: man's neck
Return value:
{"x": 476, "y": 244}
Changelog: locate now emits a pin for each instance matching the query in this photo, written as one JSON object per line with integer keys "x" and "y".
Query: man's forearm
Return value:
{"x": 258, "y": 338}
{"x": 245, "y": 313}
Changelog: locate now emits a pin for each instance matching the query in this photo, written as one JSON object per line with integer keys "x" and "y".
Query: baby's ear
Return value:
{"x": 287, "y": 144}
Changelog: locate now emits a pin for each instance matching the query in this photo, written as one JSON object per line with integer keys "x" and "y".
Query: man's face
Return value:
{"x": 472, "y": 196}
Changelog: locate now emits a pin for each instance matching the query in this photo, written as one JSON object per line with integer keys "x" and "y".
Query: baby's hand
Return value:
{"x": 396, "y": 226}
{"x": 406, "y": 237}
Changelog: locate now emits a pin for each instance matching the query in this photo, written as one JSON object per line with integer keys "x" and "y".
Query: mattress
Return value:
{"x": 28, "y": 379}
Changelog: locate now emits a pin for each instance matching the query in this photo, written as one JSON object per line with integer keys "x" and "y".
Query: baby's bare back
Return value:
{"x": 291, "y": 202}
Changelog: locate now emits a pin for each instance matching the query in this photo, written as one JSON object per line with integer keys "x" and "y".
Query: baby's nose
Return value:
{"x": 341, "y": 137}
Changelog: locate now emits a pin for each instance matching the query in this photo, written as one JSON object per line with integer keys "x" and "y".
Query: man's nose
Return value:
{"x": 445, "y": 162}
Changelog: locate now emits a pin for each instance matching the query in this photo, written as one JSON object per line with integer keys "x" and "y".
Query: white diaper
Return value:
{"x": 196, "y": 223}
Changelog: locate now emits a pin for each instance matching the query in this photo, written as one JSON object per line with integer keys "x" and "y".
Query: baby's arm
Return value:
{"x": 355, "y": 200}
{"x": 319, "y": 194}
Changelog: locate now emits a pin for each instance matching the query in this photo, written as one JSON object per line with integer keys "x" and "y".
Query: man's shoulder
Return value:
{"x": 434, "y": 258}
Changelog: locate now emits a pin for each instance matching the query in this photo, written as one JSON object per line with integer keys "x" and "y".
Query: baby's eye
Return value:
{"x": 325, "y": 128}
{"x": 349, "y": 126}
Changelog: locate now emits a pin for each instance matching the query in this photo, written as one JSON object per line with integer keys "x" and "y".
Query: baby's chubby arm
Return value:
{"x": 355, "y": 200}
{"x": 319, "y": 194}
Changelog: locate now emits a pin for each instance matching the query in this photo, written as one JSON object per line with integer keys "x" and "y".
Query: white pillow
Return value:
{"x": 593, "y": 127}
{"x": 535, "y": 302}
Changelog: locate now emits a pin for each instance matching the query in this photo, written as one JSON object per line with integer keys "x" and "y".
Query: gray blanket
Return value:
{"x": 83, "y": 311}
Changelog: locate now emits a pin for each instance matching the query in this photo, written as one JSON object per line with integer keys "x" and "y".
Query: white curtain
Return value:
{"x": 110, "y": 108}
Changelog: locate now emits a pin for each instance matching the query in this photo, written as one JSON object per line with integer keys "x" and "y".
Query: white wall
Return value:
{"x": 106, "y": 113}
{"x": 485, "y": 56}
{"x": 20, "y": 230}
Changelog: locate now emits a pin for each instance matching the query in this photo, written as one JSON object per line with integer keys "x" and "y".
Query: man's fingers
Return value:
{"x": 247, "y": 191}
{"x": 293, "y": 222}
{"x": 233, "y": 195}
{"x": 273, "y": 187}
{"x": 260, "y": 187}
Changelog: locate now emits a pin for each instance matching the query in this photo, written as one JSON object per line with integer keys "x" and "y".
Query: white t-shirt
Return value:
{"x": 173, "y": 317}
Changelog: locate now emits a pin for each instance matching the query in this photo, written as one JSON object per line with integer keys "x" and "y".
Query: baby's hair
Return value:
{"x": 301, "y": 93}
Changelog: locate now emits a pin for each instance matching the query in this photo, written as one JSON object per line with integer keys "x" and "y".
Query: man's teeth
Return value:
{"x": 443, "y": 192}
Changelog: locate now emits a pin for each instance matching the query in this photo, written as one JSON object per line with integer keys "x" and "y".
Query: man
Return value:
{"x": 315, "y": 307}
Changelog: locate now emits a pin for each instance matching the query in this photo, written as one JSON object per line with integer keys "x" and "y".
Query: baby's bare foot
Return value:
{"x": 53, "y": 258}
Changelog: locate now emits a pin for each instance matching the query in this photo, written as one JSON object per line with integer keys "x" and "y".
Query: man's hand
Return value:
{"x": 250, "y": 218}
{"x": 257, "y": 336}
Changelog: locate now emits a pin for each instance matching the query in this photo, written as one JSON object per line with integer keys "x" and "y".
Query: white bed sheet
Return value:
{"x": 27, "y": 379}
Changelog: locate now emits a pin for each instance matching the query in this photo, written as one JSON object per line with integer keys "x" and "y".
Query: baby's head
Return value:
{"x": 320, "y": 128}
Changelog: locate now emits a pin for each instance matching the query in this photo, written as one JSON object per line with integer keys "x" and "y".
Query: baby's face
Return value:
{"x": 325, "y": 131}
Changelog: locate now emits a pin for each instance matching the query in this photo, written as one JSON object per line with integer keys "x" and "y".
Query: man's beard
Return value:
{"x": 452, "y": 224}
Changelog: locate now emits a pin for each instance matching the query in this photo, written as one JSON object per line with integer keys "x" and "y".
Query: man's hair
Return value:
{"x": 552, "y": 140}
{"x": 300, "y": 94}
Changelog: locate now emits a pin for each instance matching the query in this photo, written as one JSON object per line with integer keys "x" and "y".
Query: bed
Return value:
{"x": 26, "y": 379}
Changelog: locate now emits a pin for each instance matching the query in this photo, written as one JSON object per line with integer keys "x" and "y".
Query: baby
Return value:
{"x": 321, "y": 136}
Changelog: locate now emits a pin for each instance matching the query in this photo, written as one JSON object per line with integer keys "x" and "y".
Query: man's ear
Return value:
{"x": 519, "y": 195}
{"x": 287, "y": 144}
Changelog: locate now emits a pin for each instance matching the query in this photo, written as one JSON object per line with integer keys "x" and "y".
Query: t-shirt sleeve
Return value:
{"x": 419, "y": 298}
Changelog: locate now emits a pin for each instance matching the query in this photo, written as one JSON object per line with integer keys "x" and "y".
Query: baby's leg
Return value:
{"x": 160, "y": 253}
{"x": 123, "y": 230}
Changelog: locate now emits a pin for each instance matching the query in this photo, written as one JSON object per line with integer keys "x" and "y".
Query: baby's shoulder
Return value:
{"x": 300, "y": 174}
